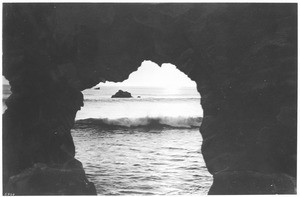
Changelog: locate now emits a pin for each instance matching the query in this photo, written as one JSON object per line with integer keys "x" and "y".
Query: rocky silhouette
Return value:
{"x": 122, "y": 94}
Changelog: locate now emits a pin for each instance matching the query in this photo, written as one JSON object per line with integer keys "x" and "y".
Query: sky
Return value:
{"x": 150, "y": 74}
{"x": 4, "y": 80}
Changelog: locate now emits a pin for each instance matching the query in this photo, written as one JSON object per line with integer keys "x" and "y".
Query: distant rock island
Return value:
{"x": 122, "y": 94}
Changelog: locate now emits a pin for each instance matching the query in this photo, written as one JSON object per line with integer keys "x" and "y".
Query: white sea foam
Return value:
{"x": 147, "y": 122}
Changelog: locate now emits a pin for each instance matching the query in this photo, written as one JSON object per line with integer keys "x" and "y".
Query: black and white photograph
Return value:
{"x": 149, "y": 98}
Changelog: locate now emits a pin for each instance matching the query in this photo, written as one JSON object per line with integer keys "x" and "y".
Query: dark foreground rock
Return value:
{"x": 242, "y": 183}
{"x": 56, "y": 180}
{"x": 122, "y": 94}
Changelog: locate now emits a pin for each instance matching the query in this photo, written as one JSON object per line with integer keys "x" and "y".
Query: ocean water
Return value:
{"x": 142, "y": 146}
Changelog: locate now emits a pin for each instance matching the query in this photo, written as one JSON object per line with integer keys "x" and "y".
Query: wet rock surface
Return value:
{"x": 243, "y": 58}
{"x": 44, "y": 180}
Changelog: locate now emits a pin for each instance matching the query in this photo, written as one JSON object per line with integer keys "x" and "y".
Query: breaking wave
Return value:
{"x": 144, "y": 122}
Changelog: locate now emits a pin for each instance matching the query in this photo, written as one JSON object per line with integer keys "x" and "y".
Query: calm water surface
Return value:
{"x": 142, "y": 161}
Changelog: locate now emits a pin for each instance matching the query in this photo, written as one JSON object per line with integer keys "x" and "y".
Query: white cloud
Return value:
{"x": 150, "y": 74}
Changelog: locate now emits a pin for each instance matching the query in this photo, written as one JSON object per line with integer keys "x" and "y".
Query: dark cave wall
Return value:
{"x": 243, "y": 58}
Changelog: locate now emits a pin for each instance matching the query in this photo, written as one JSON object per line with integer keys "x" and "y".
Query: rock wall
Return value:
{"x": 243, "y": 58}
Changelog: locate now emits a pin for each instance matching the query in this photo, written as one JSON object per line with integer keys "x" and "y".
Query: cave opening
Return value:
{"x": 147, "y": 144}
{"x": 242, "y": 56}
